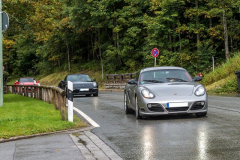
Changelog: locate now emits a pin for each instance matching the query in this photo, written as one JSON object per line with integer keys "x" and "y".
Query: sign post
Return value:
{"x": 155, "y": 53}
{"x": 70, "y": 101}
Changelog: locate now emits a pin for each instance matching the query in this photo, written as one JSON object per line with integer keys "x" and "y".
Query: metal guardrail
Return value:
{"x": 50, "y": 94}
{"x": 118, "y": 81}
{"x": 119, "y": 78}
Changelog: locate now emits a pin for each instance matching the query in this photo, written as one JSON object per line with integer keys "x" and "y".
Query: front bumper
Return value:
{"x": 90, "y": 91}
{"x": 160, "y": 107}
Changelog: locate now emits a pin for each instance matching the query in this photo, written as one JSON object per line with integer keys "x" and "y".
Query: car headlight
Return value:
{"x": 200, "y": 91}
{"x": 94, "y": 84}
{"x": 147, "y": 94}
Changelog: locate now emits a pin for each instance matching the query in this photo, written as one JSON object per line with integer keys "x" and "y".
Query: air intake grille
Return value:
{"x": 155, "y": 107}
{"x": 197, "y": 105}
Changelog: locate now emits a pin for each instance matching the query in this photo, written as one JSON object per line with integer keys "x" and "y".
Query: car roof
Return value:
{"x": 77, "y": 74}
{"x": 26, "y": 77}
{"x": 159, "y": 68}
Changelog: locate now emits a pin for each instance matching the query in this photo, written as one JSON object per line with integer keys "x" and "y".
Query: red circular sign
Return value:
{"x": 155, "y": 52}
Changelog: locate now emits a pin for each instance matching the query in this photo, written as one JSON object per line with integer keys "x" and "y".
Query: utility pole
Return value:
{"x": 1, "y": 58}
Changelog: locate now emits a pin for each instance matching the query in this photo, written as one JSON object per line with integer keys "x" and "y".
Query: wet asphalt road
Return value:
{"x": 178, "y": 137}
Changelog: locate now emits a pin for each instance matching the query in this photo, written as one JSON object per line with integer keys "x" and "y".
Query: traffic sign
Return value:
{"x": 155, "y": 52}
{"x": 5, "y": 21}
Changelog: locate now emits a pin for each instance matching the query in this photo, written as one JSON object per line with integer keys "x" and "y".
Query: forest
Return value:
{"x": 45, "y": 36}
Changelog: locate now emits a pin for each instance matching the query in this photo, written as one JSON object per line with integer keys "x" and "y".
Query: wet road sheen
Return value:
{"x": 178, "y": 137}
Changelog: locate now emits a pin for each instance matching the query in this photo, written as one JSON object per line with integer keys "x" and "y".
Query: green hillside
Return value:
{"x": 55, "y": 78}
{"x": 223, "y": 79}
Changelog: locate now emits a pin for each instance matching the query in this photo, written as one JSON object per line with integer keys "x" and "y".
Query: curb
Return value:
{"x": 70, "y": 131}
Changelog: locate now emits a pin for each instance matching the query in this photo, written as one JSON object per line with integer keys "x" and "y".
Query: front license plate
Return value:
{"x": 84, "y": 89}
{"x": 182, "y": 104}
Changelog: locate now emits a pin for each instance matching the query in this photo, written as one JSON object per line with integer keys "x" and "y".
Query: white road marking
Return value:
{"x": 92, "y": 122}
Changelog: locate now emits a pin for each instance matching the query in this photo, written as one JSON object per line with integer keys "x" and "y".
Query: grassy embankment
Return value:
{"x": 31, "y": 116}
{"x": 223, "y": 80}
{"x": 55, "y": 78}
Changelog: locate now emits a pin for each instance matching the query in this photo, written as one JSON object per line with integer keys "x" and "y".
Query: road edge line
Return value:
{"x": 92, "y": 122}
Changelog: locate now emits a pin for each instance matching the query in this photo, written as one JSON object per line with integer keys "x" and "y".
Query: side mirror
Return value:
{"x": 197, "y": 78}
{"x": 38, "y": 82}
{"x": 132, "y": 81}
{"x": 94, "y": 80}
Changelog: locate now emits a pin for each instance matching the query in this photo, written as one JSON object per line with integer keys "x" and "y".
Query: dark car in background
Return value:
{"x": 82, "y": 84}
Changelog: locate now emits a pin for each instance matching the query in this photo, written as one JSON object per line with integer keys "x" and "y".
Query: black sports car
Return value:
{"x": 82, "y": 84}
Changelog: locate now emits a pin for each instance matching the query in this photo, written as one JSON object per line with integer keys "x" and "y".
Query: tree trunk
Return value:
{"x": 93, "y": 53}
{"x": 225, "y": 35}
{"x": 210, "y": 23}
{"x": 174, "y": 38}
{"x": 170, "y": 42}
{"x": 100, "y": 51}
{"x": 69, "y": 63}
{"x": 180, "y": 42}
{"x": 197, "y": 23}
{"x": 231, "y": 37}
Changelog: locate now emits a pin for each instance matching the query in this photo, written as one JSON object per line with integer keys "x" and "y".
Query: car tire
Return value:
{"x": 126, "y": 109}
{"x": 201, "y": 114}
{"x": 137, "y": 109}
{"x": 95, "y": 95}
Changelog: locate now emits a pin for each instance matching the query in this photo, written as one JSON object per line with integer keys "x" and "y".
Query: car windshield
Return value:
{"x": 165, "y": 76}
{"x": 26, "y": 80}
{"x": 79, "y": 78}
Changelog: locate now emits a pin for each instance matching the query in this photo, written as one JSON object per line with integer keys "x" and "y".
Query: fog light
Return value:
{"x": 149, "y": 105}
{"x": 202, "y": 103}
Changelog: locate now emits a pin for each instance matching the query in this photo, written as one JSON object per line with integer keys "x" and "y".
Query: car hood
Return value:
{"x": 27, "y": 83}
{"x": 172, "y": 89}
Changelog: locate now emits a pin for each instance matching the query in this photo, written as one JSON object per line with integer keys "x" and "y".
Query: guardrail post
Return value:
{"x": 35, "y": 92}
{"x": 52, "y": 97}
{"x": 20, "y": 90}
{"x": 63, "y": 109}
{"x": 25, "y": 91}
{"x": 57, "y": 101}
{"x": 44, "y": 94}
{"x": 31, "y": 91}
{"x": 49, "y": 95}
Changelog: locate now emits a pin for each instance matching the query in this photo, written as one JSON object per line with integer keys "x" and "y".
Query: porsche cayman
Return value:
{"x": 165, "y": 90}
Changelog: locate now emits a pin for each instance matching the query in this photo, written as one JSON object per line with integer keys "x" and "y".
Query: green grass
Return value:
{"x": 223, "y": 80}
{"x": 26, "y": 116}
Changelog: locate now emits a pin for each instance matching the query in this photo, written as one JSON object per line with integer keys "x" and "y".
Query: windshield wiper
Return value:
{"x": 177, "y": 79}
{"x": 153, "y": 81}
